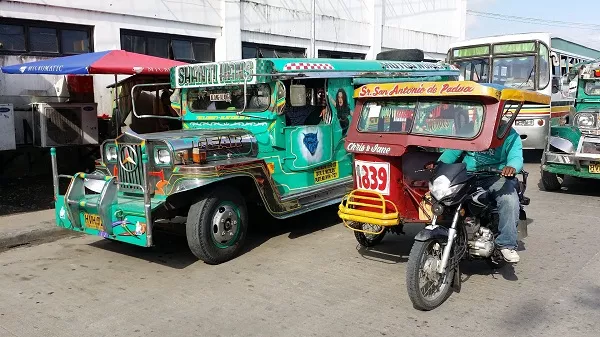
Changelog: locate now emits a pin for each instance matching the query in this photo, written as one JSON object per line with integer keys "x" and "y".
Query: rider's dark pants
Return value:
{"x": 505, "y": 193}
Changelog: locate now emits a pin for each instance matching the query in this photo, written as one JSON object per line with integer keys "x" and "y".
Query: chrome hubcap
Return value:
{"x": 225, "y": 224}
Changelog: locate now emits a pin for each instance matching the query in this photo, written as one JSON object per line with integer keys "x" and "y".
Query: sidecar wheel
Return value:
{"x": 426, "y": 288}
{"x": 369, "y": 240}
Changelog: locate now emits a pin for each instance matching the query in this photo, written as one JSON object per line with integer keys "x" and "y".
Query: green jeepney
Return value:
{"x": 574, "y": 149}
{"x": 281, "y": 148}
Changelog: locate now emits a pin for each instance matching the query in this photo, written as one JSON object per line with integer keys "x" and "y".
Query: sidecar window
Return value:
{"x": 387, "y": 116}
{"x": 449, "y": 118}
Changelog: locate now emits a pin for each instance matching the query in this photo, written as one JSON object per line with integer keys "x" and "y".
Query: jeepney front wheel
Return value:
{"x": 217, "y": 225}
{"x": 551, "y": 181}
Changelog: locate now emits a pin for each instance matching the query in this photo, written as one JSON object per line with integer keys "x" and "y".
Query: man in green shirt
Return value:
{"x": 509, "y": 158}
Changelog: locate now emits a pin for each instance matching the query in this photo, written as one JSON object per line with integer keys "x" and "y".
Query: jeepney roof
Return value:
{"x": 252, "y": 71}
{"x": 450, "y": 89}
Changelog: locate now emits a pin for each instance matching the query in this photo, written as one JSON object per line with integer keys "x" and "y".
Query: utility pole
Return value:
{"x": 313, "y": 33}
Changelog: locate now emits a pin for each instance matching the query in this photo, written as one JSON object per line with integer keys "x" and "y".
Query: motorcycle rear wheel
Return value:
{"x": 422, "y": 262}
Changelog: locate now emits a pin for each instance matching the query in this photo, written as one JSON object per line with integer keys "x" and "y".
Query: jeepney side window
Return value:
{"x": 229, "y": 99}
{"x": 387, "y": 116}
{"x": 449, "y": 118}
{"x": 544, "y": 67}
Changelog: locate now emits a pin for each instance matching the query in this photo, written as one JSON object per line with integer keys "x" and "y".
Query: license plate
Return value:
{"x": 92, "y": 221}
{"x": 594, "y": 168}
{"x": 524, "y": 122}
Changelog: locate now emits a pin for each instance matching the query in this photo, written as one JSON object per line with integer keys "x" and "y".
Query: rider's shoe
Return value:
{"x": 509, "y": 255}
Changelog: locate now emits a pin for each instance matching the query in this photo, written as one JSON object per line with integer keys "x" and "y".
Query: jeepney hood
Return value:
{"x": 234, "y": 142}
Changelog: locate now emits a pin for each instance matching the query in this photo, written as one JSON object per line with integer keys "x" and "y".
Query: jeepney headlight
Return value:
{"x": 585, "y": 120}
{"x": 162, "y": 156}
{"x": 111, "y": 153}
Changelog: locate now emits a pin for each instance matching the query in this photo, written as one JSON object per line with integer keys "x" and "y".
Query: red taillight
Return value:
{"x": 597, "y": 73}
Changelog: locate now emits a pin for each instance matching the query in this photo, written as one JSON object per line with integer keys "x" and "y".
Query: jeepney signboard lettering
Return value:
{"x": 214, "y": 74}
{"x": 368, "y": 148}
{"x": 399, "y": 65}
{"x": 429, "y": 89}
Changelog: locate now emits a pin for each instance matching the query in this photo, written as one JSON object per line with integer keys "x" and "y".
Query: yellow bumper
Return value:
{"x": 350, "y": 213}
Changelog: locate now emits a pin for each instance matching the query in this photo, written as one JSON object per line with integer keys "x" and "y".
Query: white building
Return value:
{"x": 213, "y": 30}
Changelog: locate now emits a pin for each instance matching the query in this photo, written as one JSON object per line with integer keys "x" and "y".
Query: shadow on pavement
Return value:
{"x": 171, "y": 248}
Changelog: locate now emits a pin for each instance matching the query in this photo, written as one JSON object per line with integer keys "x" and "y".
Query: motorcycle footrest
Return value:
{"x": 525, "y": 201}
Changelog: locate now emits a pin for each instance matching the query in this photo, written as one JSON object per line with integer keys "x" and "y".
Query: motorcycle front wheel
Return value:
{"x": 427, "y": 288}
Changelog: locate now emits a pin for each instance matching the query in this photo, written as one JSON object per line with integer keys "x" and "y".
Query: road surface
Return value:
{"x": 308, "y": 280}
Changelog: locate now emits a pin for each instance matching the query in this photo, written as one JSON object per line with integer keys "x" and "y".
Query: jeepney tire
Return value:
{"x": 199, "y": 225}
{"x": 550, "y": 181}
{"x": 369, "y": 240}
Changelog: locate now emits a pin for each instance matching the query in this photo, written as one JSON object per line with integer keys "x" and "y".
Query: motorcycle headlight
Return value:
{"x": 585, "y": 120}
{"x": 111, "y": 153}
{"x": 440, "y": 188}
{"x": 162, "y": 156}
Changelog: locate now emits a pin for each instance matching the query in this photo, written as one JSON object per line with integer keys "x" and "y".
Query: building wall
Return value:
{"x": 359, "y": 26}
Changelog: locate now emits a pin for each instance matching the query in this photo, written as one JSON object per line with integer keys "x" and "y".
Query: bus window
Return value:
{"x": 544, "y": 64}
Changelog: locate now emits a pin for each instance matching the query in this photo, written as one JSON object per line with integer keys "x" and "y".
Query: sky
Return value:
{"x": 578, "y": 11}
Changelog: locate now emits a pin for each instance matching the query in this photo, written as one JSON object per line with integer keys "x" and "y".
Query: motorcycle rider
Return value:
{"x": 509, "y": 158}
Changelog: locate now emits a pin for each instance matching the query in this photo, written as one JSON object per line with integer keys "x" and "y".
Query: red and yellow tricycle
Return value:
{"x": 399, "y": 129}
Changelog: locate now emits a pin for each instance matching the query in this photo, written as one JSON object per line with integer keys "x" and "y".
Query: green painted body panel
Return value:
{"x": 569, "y": 170}
{"x": 568, "y": 132}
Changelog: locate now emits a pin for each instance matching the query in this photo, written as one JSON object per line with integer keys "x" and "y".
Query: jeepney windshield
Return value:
{"x": 427, "y": 117}
{"x": 515, "y": 72}
{"x": 592, "y": 88}
{"x": 229, "y": 98}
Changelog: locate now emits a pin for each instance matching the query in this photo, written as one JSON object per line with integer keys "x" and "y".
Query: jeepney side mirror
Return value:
{"x": 297, "y": 95}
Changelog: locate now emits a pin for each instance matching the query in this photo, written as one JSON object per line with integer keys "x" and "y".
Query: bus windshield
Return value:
{"x": 476, "y": 70}
{"x": 428, "y": 117}
{"x": 229, "y": 99}
{"x": 516, "y": 72}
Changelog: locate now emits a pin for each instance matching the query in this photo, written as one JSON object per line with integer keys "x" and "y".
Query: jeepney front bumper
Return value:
{"x": 367, "y": 207}
{"x": 582, "y": 162}
{"x": 109, "y": 214}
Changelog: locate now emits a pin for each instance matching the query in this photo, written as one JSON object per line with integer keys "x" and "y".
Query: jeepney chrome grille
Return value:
{"x": 130, "y": 166}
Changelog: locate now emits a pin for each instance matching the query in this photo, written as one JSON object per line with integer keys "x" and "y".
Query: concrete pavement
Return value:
{"x": 29, "y": 228}
{"x": 308, "y": 279}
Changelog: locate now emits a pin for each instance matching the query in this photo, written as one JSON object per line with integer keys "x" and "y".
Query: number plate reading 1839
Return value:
{"x": 92, "y": 221}
{"x": 594, "y": 168}
{"x": 372, "y": 176}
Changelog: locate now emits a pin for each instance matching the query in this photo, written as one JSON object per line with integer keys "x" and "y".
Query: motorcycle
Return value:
{"x": 464, "y": 226}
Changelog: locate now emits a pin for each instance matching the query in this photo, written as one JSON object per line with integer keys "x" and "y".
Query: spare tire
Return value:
{"x": 410, "y": 55}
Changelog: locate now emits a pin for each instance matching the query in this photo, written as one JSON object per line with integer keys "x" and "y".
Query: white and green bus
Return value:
{"x": 532, "y": 61}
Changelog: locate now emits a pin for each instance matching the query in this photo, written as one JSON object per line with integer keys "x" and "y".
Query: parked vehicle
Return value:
{"x": 574, "y": 149}
{"x": 398, "y": 129}
{"x": 256, "y": 132}
{"x": 530, "y": 61}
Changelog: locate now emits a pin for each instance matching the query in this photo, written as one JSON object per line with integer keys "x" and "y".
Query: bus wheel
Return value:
{"x": 217, "y": 225}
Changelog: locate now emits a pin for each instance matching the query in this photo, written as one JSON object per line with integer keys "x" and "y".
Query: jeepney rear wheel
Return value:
{"x": 551, "y": 181}
{"x": 217, "y": 225}
{"x": 369, "y": 240}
